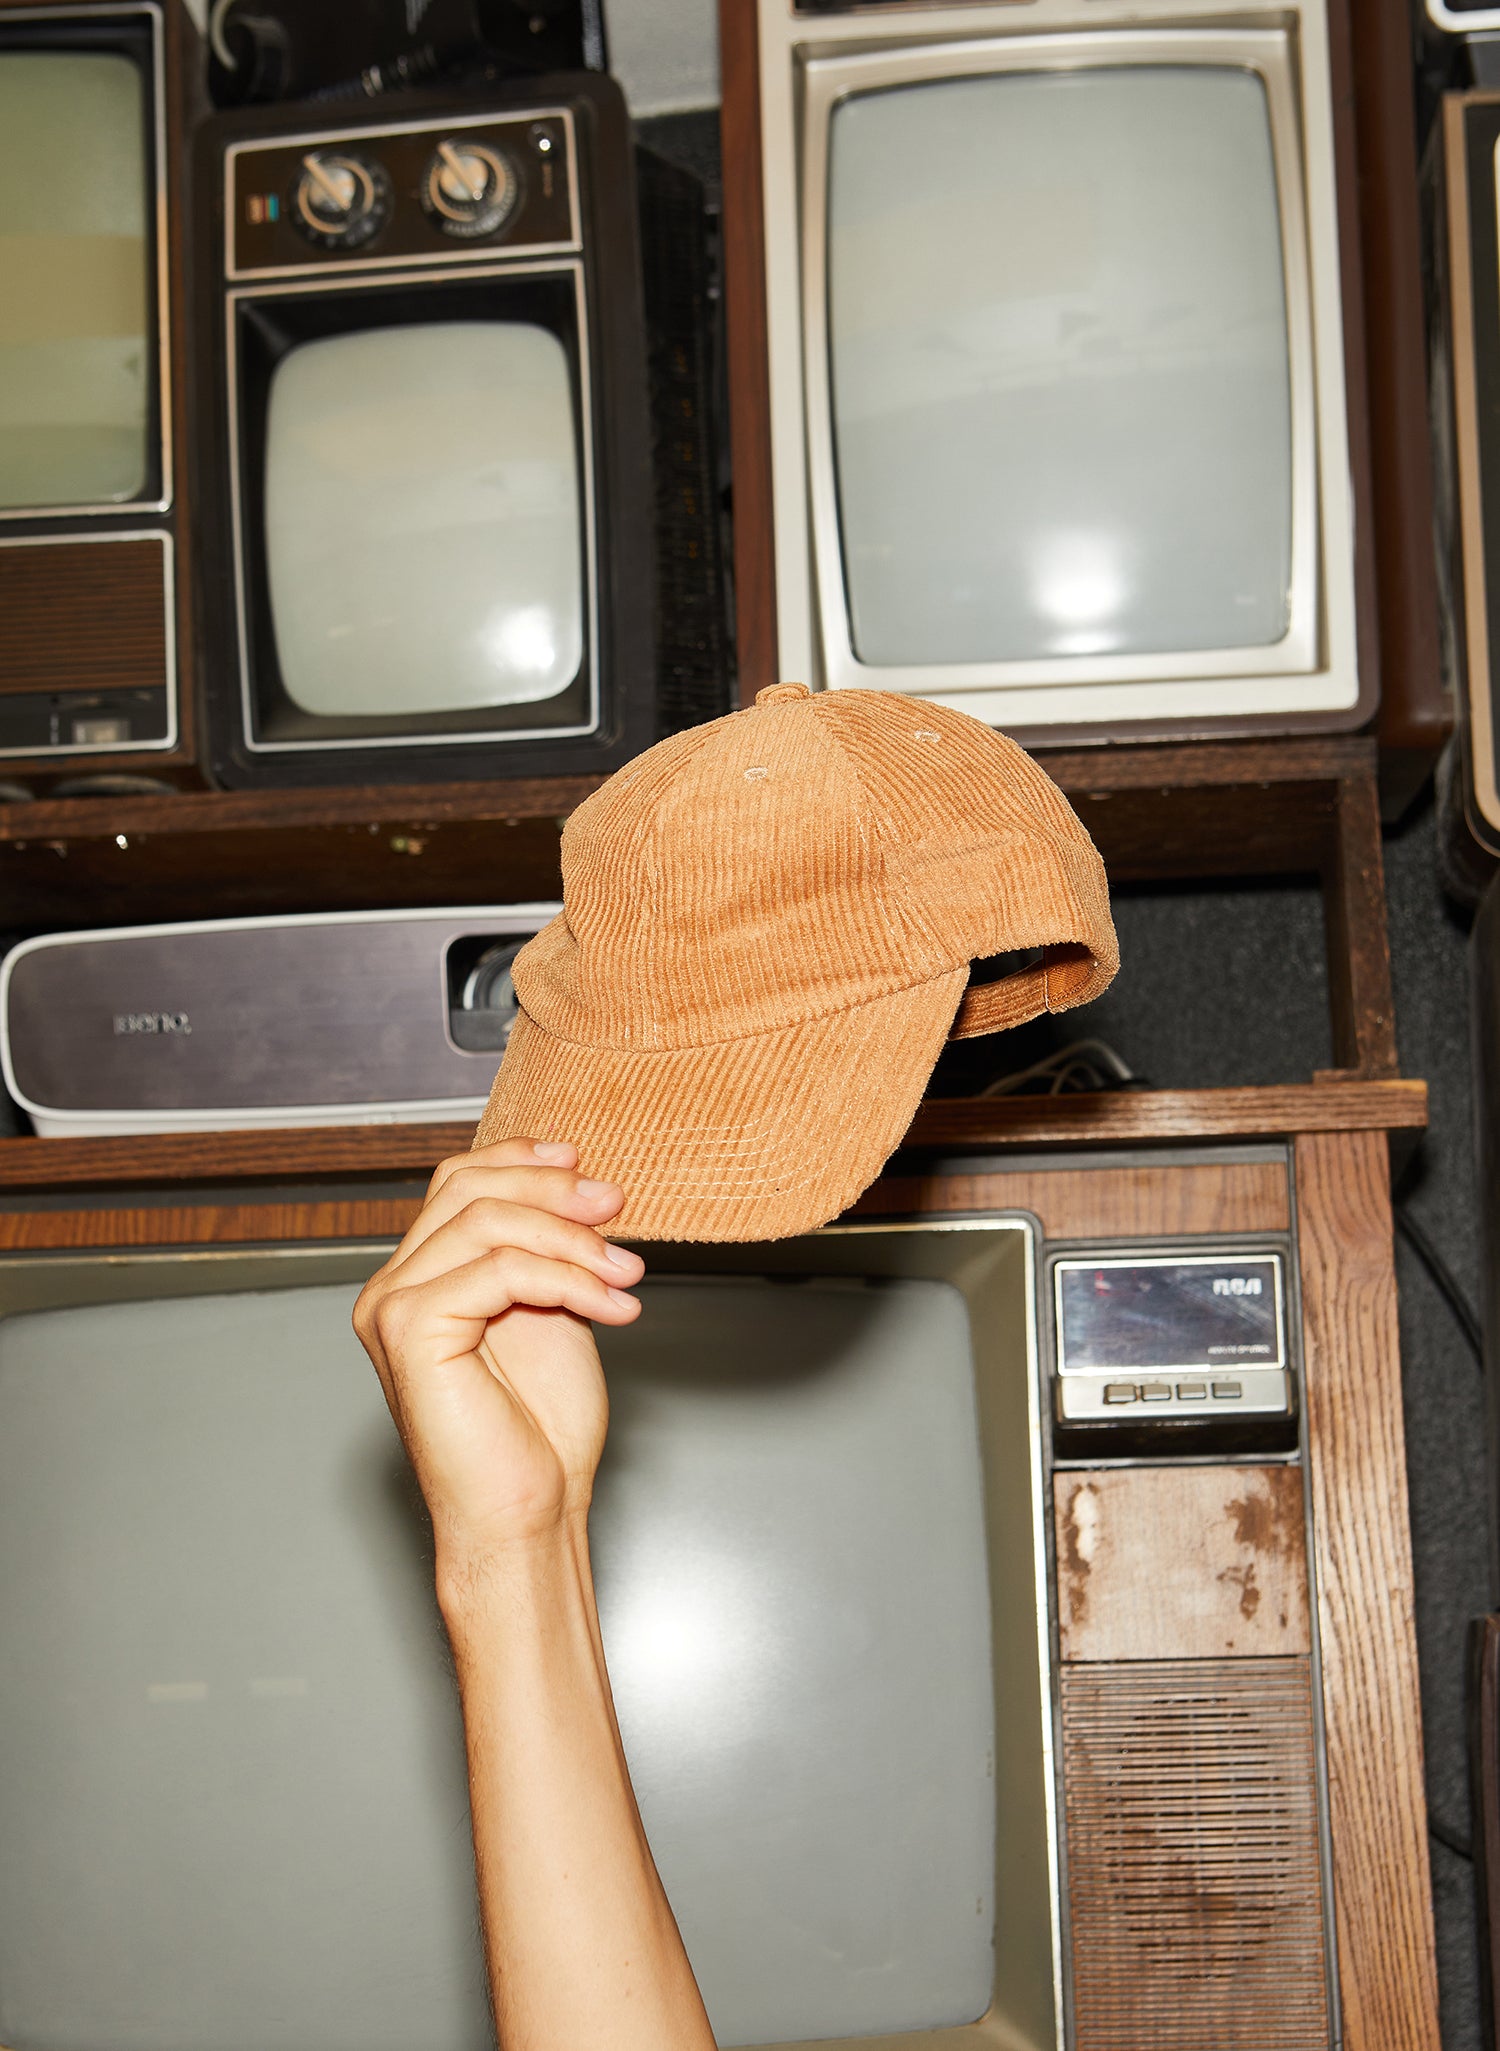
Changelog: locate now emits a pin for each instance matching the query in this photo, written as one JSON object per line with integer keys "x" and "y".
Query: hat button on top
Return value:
{"x": 781, "y": 694}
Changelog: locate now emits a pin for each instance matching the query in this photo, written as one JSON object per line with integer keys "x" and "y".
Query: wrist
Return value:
{"x": 513, "y": 1575}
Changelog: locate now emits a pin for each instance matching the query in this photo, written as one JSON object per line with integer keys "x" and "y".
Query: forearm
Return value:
{"x": 582, "y": 1945}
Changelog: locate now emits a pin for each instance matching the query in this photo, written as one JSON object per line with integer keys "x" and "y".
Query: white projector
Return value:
{"x": 350, "y": 1018}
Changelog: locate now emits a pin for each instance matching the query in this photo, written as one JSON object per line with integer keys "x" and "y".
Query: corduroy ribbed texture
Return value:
{"x": 768, "y": 927}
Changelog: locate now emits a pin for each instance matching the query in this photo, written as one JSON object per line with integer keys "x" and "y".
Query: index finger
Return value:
{"x": 533, "y": 1182}
{"x": 519, "y": 1152}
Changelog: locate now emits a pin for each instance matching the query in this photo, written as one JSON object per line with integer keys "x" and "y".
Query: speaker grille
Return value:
{"x": 83, "y": 615}
{"x": 1193, "y": 1876}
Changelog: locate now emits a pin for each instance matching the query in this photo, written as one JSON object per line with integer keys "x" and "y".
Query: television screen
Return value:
{"x": 1058, "y": 355}
{"x": 232, "y": 1796}
{"x": 76, "y": 355}
{"x": 423, "y": 519}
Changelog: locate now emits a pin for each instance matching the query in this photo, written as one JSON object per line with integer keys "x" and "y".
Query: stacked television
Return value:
{"x": 440, "y": 407}
{"x": 455, "y": 448}
{"x": 96, "y": 619}
{"x": 1062, "y": 405}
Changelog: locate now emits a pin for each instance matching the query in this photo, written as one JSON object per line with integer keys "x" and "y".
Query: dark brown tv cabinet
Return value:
{"x": 1210, "y": 809}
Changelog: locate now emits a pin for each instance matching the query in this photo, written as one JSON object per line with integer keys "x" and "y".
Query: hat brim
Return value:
{"x": 756, "y": 1138}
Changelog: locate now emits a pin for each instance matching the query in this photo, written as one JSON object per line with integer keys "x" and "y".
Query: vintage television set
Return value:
{"x": 1468, "y": 353}
{"x": 454, "y": 441}
{"x": 95, "y": 554}
{"x": 1469, "y": 19}
{"x": 1060, "y": 413}
{"x": 983, "y": 1581}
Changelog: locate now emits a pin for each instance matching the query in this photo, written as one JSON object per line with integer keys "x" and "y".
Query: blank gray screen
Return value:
{"x": 789, "y": 1542}
{"x": 232, "y": 1801}
{"x": 75, "y": 354}
{"x": 1059, "y": 362}
{"x": 423, "y": 527}
{"x": 233, "y": 1811}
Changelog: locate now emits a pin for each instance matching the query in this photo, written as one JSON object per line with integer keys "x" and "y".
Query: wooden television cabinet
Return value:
{"x": 1242, "y": 1816}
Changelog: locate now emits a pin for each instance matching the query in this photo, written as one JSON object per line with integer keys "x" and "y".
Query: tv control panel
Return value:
{"x": 402, "y": 193}
{"x": 1141, "y": 1338}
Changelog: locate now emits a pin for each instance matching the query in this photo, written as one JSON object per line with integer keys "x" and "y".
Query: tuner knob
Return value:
{"x": 341, "y": 200}
{"x": 470, "y": 188}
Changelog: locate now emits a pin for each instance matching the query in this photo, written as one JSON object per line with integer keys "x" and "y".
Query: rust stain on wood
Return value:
{"x": 1181, "y": 1563}
{"x": 1243, "y": 1578}
{"x": 1262, "y": 1522}
{"x": 1080, "y": 1535}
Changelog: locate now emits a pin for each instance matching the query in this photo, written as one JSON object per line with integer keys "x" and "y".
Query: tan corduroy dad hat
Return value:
{"x": 767, "y": 931}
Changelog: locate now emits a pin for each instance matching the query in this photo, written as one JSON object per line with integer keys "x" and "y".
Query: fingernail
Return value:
{"x": 591, "y": 1189}
{"x": 551, "y": 1149}
{"x": 620, "y": 1257}
{"x": 625, "y": 1301}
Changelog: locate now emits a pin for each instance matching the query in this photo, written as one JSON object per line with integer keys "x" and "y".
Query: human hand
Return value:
{"x": 478, "y": 1326}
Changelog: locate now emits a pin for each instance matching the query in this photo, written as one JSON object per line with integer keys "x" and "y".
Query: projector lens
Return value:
{"x": 482, "y": 997}
{"x": 488, "y": 986}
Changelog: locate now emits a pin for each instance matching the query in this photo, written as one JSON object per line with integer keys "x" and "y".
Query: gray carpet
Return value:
{"x": 1444, "y": 1398}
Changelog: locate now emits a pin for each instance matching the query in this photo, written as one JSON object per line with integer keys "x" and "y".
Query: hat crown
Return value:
{"x": 798, "y": 858}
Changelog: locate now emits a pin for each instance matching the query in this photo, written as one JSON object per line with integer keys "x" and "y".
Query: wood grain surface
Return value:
{"x": 1167, "y": 1115}
{"x": 948, "y": 1123}
{"x": 191, "y": 813}
{"x": 206, "y": 1224}
{"x": 1347, "y": 197}
{"x": 1416, "y": 709}
{"x": 1362, "y": 1010}
{"x": 1263, "y": 767}
{"x": 1139, "y": 1201}
{"x": 745, "y": 327}
{"x": 382, "y": 862}
{"x": 1181, "y": 1562}
{"x": 1180, "y": 765}
{"x": 1362, "y": 1555}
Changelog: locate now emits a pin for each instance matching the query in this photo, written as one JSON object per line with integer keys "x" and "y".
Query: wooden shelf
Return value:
{"x": 1156, "y": 813}
{"x": 200, "y": 812}
{"x": 1206, "y": 808}
{"x": 68, "y": 862}
{"x": 958, "y": 1125}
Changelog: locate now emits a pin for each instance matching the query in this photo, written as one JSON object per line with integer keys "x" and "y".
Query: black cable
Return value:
{"x": 1442, "y": 1275}
{"x": 1438, "y": 1829}
{"x": 1450, "y": 1839}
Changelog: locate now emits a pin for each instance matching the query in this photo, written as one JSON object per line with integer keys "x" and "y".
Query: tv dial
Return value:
{"x": 470, "y": 188}
{"x": 341, "y": 199}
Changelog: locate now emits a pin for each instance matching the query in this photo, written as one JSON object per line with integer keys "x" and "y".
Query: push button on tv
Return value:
{"x": 1120, "y": 1392}
{"x": 1227, "y": 1391}
{"x": 1156, "y": 1392}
